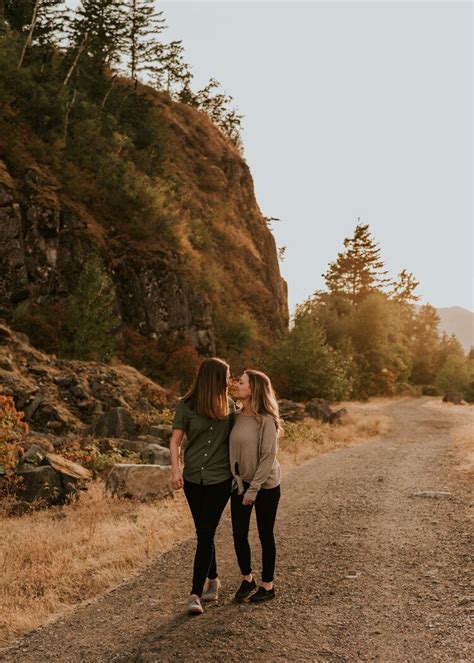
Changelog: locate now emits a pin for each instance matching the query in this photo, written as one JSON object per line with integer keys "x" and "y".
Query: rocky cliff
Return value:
{"x": 221, "y": 264}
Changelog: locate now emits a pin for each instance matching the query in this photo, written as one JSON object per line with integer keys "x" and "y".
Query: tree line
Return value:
{"x": 364, "y": 335}
{"x": 103, "y": 39}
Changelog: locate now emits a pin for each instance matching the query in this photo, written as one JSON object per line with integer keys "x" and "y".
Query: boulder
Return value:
{"x": 141, "y": 482}
{"x": 35, "y": 455}
{"x": 40, "y": 484}
{"x": 319, "y": 409}
{"x": 337, "y": 416}
{"x": 162, "y": 432}
{"x": 452, "y": 397}
{"x": 116, "y": 422}
{"x": 155, "y": 454}
{"x": 291, "y": 410}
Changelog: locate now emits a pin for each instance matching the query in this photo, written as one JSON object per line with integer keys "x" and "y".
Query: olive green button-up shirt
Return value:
{"x": 206, "y": 453}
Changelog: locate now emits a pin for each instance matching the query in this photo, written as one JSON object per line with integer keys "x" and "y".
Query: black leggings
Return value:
{"x": 266, "y": 505}
{"x": 207, "y": 504}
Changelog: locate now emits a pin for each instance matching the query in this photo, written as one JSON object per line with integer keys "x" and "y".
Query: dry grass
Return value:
{"x": 52, "y": 560}
{"x": 309, "y": 438}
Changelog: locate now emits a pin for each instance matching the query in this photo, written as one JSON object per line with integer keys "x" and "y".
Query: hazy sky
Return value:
{"x": 351, "y": 110}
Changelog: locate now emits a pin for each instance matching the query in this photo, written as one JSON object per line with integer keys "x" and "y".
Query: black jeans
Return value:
{"x": 207, "y": 504}
{"x": 266, "y": 505}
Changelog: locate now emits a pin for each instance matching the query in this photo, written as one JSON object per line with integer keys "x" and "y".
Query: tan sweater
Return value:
{"x": 253, "y": 447}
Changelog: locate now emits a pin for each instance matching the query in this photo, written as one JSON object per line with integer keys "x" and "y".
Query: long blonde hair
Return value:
{"x": 263, "y": 399}
{"x": 208, "y": 394}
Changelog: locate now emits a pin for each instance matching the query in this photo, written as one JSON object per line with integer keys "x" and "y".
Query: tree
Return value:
{"x": 454, "y": 375}
{"x": 42, "y": 20}
{"x": 425, "y": 345}
{"x": 359, "y": 270}
{"x": 93, "y": 324}
{"x": 303, "y": 366}
{"x": 217, "y": 106}
{"x": 382, "y": 354}
{"x": 169, "y": 70}
{"x": 403, "y": 290}
{"x": 143, "y": 26}
{"x": 100, "y": 28}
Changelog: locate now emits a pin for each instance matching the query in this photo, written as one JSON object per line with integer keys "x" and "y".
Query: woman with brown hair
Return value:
{"x": 256, "y": 471}
{"x": 205, "y": 415}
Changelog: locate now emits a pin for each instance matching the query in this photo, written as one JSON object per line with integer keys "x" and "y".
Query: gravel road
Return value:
{"x": 366, "y": 569}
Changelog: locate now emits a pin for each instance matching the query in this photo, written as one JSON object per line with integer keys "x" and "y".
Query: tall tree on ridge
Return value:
{"x": 101, "y": 26}
{"x": 144, "y": 24}
{"x": 359, "y": 270}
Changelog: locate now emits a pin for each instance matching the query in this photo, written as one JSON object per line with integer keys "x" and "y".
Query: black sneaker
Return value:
{"x": 262, "y": 594}
{"x": 245, "y": 589}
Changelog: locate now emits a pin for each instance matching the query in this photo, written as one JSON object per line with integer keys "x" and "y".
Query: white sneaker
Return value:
{"x": 211, "y": 591}
{"x": 194, "y": 605}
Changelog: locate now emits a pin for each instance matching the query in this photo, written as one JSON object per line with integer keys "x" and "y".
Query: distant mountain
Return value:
{"x": 459, "y": 321}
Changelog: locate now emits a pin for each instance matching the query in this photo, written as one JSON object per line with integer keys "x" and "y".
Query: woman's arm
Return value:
{"x": 266, "y": 458}
{"x": 175, "y": 444}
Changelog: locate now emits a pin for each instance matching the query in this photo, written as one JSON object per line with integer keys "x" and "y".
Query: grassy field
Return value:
{"x": 52, "y": 560}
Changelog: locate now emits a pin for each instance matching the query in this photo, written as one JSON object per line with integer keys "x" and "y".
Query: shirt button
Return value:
{"x": 211, "y": 428}
{"x": 202, "y": 468}
{"x": 205, "y": 454}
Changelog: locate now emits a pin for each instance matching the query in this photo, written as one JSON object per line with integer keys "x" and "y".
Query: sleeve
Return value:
{"x": 181, "y": 417}
{"x": 266, "y": 458}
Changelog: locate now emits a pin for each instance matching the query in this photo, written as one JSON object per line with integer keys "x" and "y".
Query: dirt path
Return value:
{"x": 365, "y": 570}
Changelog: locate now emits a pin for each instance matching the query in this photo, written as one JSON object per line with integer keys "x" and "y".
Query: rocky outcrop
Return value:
{"x": 60, "y": 396}
{"x": 47, "y": 235}
{"x": 45, "y": 241}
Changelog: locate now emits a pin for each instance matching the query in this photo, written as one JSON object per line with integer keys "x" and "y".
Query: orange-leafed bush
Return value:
{"x": 12, "y": 429}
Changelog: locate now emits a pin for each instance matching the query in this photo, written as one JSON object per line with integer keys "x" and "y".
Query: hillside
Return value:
{"x": 458, "y": 321}
{"x": 202, "y": 270}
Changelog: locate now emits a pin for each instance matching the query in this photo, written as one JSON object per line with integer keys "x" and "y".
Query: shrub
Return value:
{"x": 12, "y": 430}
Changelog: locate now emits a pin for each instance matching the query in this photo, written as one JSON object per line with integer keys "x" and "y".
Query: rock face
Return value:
{"x": 46, "y": 238}
{"x": 142, "y": 482}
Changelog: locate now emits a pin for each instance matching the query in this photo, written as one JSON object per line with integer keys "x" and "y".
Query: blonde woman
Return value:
{"x": 205, "y": 415}
{"x": 256, "y": 472}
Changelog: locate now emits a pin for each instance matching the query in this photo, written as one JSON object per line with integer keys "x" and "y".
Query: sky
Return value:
{"x": 352, "y": 110}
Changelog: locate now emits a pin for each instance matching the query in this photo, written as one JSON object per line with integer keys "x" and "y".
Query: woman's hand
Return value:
{"x": 177, "y": 480}
{"x": 246, "y": 501}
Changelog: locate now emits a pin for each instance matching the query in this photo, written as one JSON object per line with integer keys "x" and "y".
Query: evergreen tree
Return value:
{"x": 403, "y": 290}
{"x": 143, "y": 26}
{"x": 168, "y": 68}
{"x": 92, "y": 321}
{"x": 99, "y": 27}
{"x": 42, "y": 21}
{"x": 217, "y": 106}
{"x": 359, "y": 270}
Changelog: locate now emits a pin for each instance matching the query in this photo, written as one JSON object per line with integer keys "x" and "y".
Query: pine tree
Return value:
{"x": 143, "y": 27}
{"x": 168, "y": 68}
{"x": 100, "y": 28}
{"x": 403, "y": 290}
{"x": 92, "y": 320}
{"x": 217, "y": 106}
{"x": 42, "y": 24}
{"x": 359, "y": 270}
